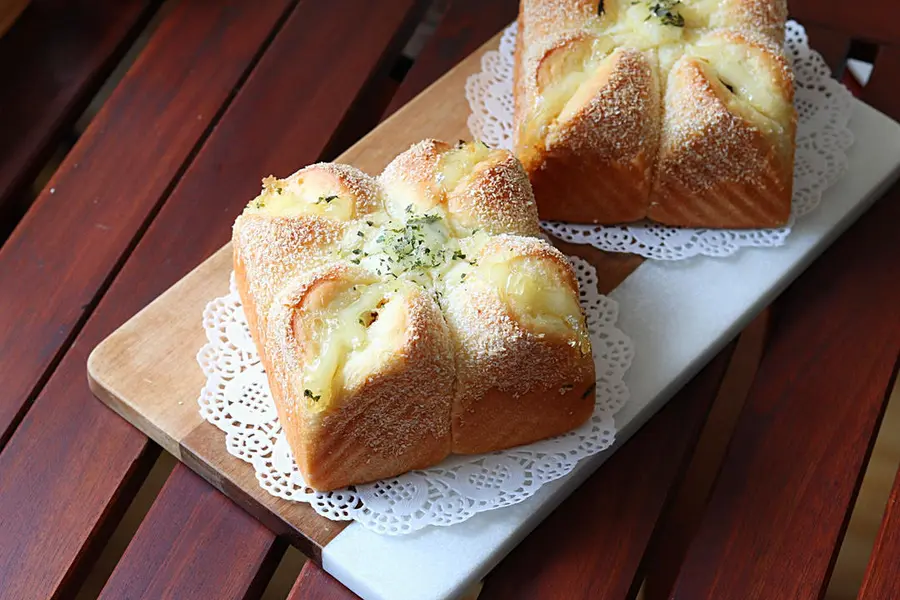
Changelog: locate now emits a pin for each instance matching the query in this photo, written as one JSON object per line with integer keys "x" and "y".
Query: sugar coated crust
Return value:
{"x": 677, "y": 111}
{"x": 406, "y": 316}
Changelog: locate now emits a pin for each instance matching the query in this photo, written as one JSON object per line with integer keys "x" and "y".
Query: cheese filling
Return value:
{"x": 356, "y": 332}
{"x": 562, "y": 73}
{"x": 458, "y": 163}
{"x": 537, "y": 295}
{"x": 647, "y": 24}
{"x": 670, "y": 28}
{"x": 295, "y": 198}
{"x": 739, "y": 68}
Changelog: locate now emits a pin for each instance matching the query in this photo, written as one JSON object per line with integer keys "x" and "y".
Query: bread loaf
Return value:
{"x": 405, "y": 317}
{"x": 677, "y": 111}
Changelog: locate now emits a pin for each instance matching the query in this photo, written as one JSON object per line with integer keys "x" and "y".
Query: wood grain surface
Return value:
{"x": 778, "y": 511}
{"x": 464, "y": 28}
{"x": 102, "y": 457}
{"x": 881, "y": 581}
{"x": 315, "y": 584}
{"x": 61, "y": 256}
{"x": 226, "y": 173}
{"x": 52, "y": 61}
{"x": 71, "y": 467}
{"x": 211, "y": 550}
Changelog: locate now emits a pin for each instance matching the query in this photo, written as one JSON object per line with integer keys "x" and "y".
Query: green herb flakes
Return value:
{"x": 665, "y": 11}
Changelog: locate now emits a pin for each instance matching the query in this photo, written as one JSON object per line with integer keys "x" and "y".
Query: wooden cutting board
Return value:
{"x": 147, "y": 370}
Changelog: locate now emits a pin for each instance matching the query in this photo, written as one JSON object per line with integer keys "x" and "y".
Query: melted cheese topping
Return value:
{"x": 738, "y": 68}
{"x": 537, "y": 295}
{"x": 569, "y": 75}
{"x": 641, "y": 28}
{"x": 562, "y": 73}
{"x": 458, "y": 163}
{"x": 350, "y": 333}
{"x": 455, "y": 168}
{"x": 310, "y": 195}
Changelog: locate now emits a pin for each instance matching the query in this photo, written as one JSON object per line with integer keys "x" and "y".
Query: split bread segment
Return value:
{"x": 524, "y": 365}
{"x": 677, "y": 111}
{"x": 408, "y": 316}
{"x": 364, "y": 372}
{"x": 294, "y": 225}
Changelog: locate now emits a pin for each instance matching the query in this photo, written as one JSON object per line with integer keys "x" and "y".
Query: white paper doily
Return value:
{"x": 236, "y": 399}
{"x": 823, "y": 107}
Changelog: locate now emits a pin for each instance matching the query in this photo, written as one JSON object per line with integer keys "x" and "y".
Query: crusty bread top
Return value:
{"x": 490, "y": 191}
{"x": 739, "y": 136}
{"x": 304, "y": 319}
{"x": 507, "y": 348}
{"x": 565, "y": 78}
{"x": 545, "y": 25}
{"x": 422, "y": 225}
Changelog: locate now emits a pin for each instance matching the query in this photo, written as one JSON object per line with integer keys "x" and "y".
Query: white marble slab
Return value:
{"x": 679, "y": 316}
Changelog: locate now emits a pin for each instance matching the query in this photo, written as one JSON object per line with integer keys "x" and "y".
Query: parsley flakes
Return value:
{"x": 664, "y": 10}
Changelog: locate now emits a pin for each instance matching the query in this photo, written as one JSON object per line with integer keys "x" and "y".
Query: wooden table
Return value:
{"x": 224, "y": 91}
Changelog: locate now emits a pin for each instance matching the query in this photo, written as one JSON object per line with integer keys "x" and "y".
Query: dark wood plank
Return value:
{"x": 315, "y": 584}
{"x": 880, "y": 582}
{"x": 66, "y": 477}
{"x": 600, "y": 533}
{"x": 881, "y": 90}
{"x": 194, "y": 543}
{"x": 59, "y": 258}
{"x": 779, "y": 509}
{"x": 685, "y": 512}
{"x": 466, "y": 26}
{"x": 51, "y": 502}
{"x": 53, "y": 61}
{"x": 834, "y": 46}
{"x": 870, "y": 20}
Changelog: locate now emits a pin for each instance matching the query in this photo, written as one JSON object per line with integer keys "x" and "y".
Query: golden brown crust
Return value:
{"x": 494, "y": 196}
{"x": 593, "y": 154}
{"x": 270, "y": 249}
{"x": 601, "y": 161}
{"x": 724, "y": 162}
{"x": 269, "y": 252}
{"x": 366, "y": 375}
{"x": 515, "y": 384}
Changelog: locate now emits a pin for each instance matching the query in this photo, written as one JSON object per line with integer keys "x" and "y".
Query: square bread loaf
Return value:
{"x": 407, "y": 316}
{"x": 677, "y": 111}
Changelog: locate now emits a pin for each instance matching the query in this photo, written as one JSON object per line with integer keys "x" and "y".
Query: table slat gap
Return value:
{"x": 212, "y": 550}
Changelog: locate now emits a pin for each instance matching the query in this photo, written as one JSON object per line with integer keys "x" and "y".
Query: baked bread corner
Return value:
{"x": 680, "y": 111}
{"x": 404, "y": 317}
